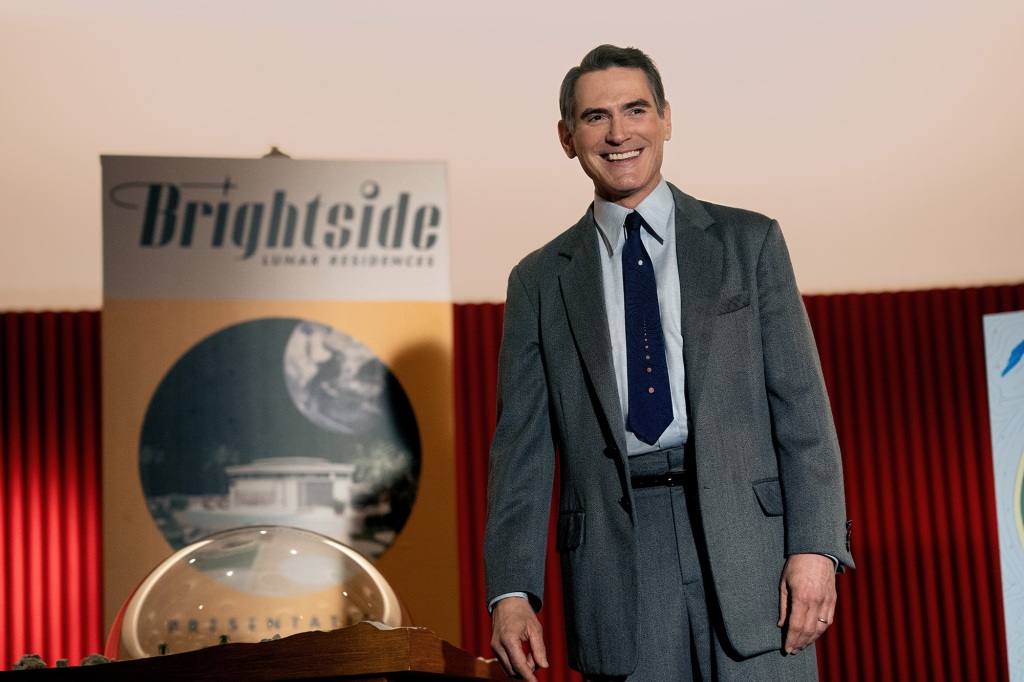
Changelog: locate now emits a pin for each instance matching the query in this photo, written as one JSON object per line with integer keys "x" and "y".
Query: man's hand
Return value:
{"x": 512, "y": 623}
{"x": 807, "y": 599}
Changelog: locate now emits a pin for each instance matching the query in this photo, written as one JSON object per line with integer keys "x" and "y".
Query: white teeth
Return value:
{"x": 623, "y": 155}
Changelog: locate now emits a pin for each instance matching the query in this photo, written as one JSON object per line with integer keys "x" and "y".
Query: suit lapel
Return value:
{"x": 699, "y": 256}
{"x": 583, "y": 297}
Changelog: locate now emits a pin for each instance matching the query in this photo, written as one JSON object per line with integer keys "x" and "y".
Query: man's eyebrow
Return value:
{"x": 593, "y": 110}
{"x": 625, "y": 107}
{"x": 637, "y": 103}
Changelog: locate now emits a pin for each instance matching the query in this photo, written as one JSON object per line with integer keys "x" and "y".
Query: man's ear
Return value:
{"x": 668, "y": 122}
{"x": 565, "y": 137}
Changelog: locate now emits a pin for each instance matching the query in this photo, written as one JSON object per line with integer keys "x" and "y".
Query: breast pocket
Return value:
{"x": 734, "y": 301}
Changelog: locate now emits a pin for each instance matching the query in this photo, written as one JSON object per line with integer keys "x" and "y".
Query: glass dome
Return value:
{"x": 247, "y": 585}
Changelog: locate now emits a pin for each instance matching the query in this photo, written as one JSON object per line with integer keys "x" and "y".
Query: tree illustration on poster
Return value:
{"x": 280, "y": 421}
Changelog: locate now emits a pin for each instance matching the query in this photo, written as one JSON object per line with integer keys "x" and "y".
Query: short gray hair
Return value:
{"x": 605, "y": 57}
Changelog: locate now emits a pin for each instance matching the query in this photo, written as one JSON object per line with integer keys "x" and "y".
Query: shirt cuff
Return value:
{"x": 490, "y": 606}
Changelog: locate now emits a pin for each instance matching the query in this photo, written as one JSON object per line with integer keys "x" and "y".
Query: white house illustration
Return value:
{"x": 289, "y": 485}
{"x": 305, "y": 492}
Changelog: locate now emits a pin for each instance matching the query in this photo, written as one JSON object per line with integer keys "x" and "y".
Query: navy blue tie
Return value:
{"x": 650, "y": 400}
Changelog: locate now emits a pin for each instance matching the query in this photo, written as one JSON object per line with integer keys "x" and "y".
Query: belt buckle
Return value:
{"x": 669, "y": 479}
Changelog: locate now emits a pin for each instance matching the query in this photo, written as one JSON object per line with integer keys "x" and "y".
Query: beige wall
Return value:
{"x": 887, "y": 137}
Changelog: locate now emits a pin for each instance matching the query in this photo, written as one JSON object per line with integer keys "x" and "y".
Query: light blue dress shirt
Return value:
{"x": 659, "y": 211}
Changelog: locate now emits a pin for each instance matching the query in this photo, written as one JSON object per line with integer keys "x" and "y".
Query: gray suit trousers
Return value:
{"x": 679, "y": 629}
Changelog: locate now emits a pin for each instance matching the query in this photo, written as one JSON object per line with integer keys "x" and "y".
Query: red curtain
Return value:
{"x": 477, "y": 340}
{"x": 905, "y": 372}
{"x": 50, "y": 572}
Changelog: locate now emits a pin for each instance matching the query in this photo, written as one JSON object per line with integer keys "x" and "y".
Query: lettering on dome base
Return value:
{"x": 270, "y": 624}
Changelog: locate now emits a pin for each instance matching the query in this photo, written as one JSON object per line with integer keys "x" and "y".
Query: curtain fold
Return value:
{"x": 477, "y": 341}
{"x": 50, "y": 573}
{"x": 477, "y": 338}
{"x": 905, "y": 372}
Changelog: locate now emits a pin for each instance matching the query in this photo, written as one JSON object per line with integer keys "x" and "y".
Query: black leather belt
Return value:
{"x": 669, "y": 479}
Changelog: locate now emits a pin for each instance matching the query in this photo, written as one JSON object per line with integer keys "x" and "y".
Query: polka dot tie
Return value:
{"x": 650, "y": 401}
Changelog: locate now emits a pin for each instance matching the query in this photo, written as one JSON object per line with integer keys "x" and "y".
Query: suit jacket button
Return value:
{"x": 611, "y": 452}
{"x": 624, "y": 503}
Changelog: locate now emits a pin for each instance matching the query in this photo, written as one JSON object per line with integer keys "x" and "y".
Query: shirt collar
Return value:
{"x": 656, "y": 208}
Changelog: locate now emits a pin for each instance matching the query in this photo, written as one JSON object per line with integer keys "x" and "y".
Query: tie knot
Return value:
{"x": 633, "y": 222}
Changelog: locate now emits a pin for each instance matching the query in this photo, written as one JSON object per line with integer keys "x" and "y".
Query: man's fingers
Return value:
{"x": 521, "y": 667}
{"x": 503, "y": 659}
{"x": 538, "y": 654}
{"x": 802, "y": 631}
{"x": 805, "y": 625}
{"x": 796, "y": 628}
{"x": 807, "y": 598}
{"x": 809, "y": 634}
{"x": 515, "y": 662}
{"x": 517, "y": 638}
{"x": 783, "y": 603}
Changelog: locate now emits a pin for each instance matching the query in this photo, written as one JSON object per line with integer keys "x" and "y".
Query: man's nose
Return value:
{"x": 617, "y": 133}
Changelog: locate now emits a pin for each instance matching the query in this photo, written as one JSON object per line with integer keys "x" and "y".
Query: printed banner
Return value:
{"x": 277, "y": 352}
{"x": 274, "y": 229}
{"x": 1004, "y": 358}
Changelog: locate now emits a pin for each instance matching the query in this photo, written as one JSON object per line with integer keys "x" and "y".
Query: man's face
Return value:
{"x": 619, "y": 137}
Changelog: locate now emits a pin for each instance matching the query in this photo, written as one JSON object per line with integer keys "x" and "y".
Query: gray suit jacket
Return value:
{"x": 768, "y": 470}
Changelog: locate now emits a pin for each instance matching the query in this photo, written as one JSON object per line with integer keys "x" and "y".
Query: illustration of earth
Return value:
{"x": 286, "y": 422}
{"x": 333, "y": 379}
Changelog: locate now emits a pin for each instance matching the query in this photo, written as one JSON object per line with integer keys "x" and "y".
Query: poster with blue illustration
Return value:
{"x": 1004, "y": 359}
{"x": 277, "y": 352}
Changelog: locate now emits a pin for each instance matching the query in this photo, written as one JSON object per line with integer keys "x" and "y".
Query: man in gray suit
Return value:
{"x": 701, "y": 518}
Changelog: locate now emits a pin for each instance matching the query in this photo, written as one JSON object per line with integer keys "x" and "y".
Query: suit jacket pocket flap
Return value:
{"x": 569, "y": 535}
{"x": 733, "y": 302}
{"x": 769, "y": 495}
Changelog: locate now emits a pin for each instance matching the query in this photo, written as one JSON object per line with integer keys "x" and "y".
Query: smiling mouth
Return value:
{"x": 622, "y": 156}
